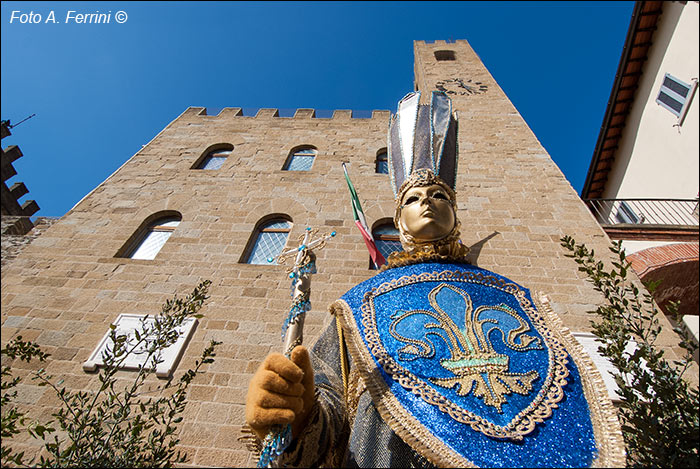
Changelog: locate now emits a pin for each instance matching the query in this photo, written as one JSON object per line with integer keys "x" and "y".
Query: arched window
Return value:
{"x": 386, "y": 237}
{"x": 300, "y": 159}
{"x": 444, "y": 55}
{"x": 215, "y": 158}
{"x": 382, "y": 163}
{"x": 152, "y": 237}
{"x": 269, "y": 240}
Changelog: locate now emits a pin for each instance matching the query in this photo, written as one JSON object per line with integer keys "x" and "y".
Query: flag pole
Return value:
{"x": 361, "y": 223}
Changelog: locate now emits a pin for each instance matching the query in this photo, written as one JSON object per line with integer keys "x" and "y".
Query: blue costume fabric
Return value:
{"x": 450, "y": 365}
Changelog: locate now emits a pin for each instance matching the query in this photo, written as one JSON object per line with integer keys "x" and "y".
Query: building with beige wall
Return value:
{"x": 658, "y": 153}
{"x": 80, "y": 275}
{"x": 643, "y": 180}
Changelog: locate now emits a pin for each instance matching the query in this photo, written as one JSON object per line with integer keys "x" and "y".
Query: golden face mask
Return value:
{"x": 426, "y": 217}
{"x": 426, "y": 213}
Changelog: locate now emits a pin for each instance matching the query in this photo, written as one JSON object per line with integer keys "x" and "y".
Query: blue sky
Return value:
{"x": 101, "y": 91}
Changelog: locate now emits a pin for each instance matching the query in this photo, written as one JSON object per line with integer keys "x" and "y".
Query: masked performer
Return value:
{"x": 434, "y": 362}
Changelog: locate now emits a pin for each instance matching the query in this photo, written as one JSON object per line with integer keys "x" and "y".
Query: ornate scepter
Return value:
{"x": 304, "y": 266}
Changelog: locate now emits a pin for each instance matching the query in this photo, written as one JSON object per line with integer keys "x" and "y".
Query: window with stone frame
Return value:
{"x": 301, "y": 159}
{"x": 153, "y": 238}
{"x": 215, "y": 158}
{"x": 130, "y": 325}
{"x": 386, "y": 238}
{"x": 268, "y": 241}
{"x": 382, "y": 162}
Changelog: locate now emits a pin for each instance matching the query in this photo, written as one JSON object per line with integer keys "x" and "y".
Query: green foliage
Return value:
{"x": 659, "y": 409}
{"x": 113, "y": 426}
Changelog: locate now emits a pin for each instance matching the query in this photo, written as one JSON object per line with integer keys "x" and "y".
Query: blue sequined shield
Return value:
{"x": 471, "y": 343}
{"x": 465, "y": 357}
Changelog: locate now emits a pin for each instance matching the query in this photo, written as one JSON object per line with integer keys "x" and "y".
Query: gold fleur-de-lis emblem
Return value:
{"x": 477, "y": 368}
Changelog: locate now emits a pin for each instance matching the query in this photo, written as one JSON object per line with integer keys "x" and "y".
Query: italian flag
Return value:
{"x": 361, "y": 223}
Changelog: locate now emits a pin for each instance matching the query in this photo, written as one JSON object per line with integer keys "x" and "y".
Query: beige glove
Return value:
{"x": 281, "y": 392}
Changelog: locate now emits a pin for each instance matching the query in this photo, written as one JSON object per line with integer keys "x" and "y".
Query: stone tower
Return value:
{"x": 514, "y": 202}
{"x": 73, "y": 281}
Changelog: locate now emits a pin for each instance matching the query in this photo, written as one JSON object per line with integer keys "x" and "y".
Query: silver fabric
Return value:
{"x": 396, "y": 171}
{"x": 422, "y": 137}
{"x": 450, "y": 155}
{"x": 441, "y": 112}
{"x": 407, "y": 116}
{"x": 422, "y": 148}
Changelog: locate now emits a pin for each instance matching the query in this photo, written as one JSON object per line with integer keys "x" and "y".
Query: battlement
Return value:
{"x": 10, "y": 196}
{"x": 300, "y": 113}
{"x": 442, "y": 42}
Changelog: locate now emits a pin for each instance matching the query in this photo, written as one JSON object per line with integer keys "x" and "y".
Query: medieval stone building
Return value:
{"x": 209, "y": 192}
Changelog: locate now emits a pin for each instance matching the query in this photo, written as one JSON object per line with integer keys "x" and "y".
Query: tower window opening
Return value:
{"x": 382, "y": 163}
{"x": 442, "y": 55}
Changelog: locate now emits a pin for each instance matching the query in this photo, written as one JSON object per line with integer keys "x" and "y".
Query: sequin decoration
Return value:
{"x": 487, "y": 383}
{"x": 274, "y": 444}
{"x": 489, "y": 413}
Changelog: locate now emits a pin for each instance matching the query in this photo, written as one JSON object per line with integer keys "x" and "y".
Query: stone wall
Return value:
{"x": 67, "y": 286}
{"x": 18, "y": 232}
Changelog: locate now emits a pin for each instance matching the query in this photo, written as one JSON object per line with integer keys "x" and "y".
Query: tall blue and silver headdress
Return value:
{"x": 422, "y": 152}
{"x": 422, "y": 143}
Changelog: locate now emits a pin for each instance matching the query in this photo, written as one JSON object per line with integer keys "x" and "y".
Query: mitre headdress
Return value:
{"x": 422, "y": 137}
{"x": 423, "y": 151}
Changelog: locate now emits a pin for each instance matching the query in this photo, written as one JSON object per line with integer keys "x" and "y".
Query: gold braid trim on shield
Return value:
{"x": 608, "y": 436}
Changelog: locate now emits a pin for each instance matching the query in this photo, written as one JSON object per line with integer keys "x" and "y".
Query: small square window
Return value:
{"x": 127, "y": 324}
{"x": 442, "y": 55}
{"x": 674, "y": 95}
{"x": 625, "y": 213}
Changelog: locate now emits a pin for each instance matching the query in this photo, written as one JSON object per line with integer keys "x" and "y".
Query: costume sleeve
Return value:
{"x": 323, "y": 441}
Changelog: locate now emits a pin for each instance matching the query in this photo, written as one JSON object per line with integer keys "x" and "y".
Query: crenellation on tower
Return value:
{"x": 381, "y": 115}
{"x": 11, "y": 196}
{"x": 231, "y": 112}
{"x": 342, "y": 114}
{"x": 264, "y": 113}
{"x": 304, "y": 114}
{"x": 299, "y": 113}
{"x": 18, "y": 231}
